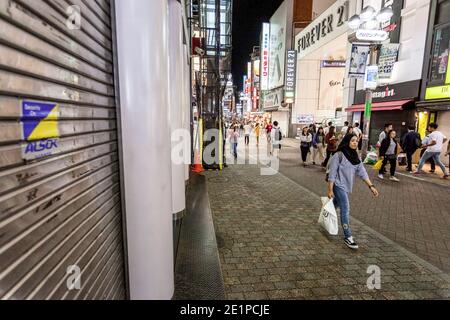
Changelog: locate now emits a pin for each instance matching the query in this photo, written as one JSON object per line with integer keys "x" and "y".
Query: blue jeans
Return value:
{"x": 234, "y": 149}
{"x": 341, "y": 201}
{"x": 437, "y": 160}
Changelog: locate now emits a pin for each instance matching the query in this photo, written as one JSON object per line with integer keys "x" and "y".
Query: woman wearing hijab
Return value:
{"x": 344, "y": 165}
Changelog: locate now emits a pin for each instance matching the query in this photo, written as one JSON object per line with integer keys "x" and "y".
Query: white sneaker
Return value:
{"x": 351, "y": 243}
{"x": 381, "y": 176}
{"x": 394, "y": 179}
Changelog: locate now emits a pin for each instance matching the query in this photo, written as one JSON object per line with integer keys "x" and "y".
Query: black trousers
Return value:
{"x": 305, "y": 151}
{"x": 329, "y": 155}
{"x": 392, "y": 161}
{"x": 247, "y": 139}
{"x": 409, "y": 160}
{"x": 430, "y": 161}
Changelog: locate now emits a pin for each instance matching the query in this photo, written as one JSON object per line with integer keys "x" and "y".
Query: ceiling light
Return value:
{"x": 354, "y": 22}
{"x": 367, "y": 14}
{"x": 372, "y": 24}
{"x": 385, "y": 14}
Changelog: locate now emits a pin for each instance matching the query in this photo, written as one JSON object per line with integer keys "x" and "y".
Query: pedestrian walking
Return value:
{"x": 448, "y": 154}
{"x": 319, "y": 146}
{"x": 247, "y": 133}
{"x": 276, "y": 137}
{"x": 269, "y": 129}
{"x": 257, "y": 133}
{"x": 344, "y": 166}
{"x": 387, "y": 128}
{"x": 425, "y": 142}
{"x": 411, "y": 143}
{"x": 388, "y": 153}
{"x": 344, "y": 130}
{"x": 305, "y": 144}
{"x": 434, "y": 149}
{"x": 331, "y": 141}
{"x": 234, "y": 138}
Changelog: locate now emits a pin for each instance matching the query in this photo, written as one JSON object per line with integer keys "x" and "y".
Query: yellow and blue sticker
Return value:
{"x": 39, "y": 129}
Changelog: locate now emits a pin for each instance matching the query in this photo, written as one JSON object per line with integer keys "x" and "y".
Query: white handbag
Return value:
{"x": 328, "y": 217}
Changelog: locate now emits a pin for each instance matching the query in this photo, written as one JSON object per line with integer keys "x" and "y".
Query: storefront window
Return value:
{"x": 440, "y": 54}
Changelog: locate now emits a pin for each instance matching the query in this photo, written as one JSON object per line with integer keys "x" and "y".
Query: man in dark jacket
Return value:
{"x": 411, "y": 142}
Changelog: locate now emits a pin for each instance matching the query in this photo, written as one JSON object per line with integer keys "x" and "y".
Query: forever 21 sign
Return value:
{"x": 327, "y": 23}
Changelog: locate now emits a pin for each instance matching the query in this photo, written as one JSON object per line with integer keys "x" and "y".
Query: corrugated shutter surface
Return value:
{"x": 62, "y": 210}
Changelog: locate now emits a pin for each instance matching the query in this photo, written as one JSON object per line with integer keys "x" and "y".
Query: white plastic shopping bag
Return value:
{"x": 328, "y": 217}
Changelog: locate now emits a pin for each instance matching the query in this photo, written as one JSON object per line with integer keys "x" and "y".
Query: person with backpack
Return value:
{"x": 331, "y": 141}
{"x": 344, "y": 165}
{"x": 388, "y": 153}
{"x": 411, "y": 143}
{"x": 276, "y": 137}
{"x": 305, "y": 144}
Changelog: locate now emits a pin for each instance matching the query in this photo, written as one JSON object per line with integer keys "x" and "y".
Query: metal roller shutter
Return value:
{"x": 60, "y": 200}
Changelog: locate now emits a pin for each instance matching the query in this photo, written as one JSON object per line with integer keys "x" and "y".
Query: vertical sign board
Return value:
{"x": 358, "y": 61}
{"x": 291, "y": 74}
{"x": 388, "y": 57}
{"x": 371, "y": 78}
{"x": 265, "y": 45}
{"x": 40, "y": 130}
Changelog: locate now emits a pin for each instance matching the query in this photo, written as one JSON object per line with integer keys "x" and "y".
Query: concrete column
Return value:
{"x": 142, "y": 33}
{"x": 176, "y": 102}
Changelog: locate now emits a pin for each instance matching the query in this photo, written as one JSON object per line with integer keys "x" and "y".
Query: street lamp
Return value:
{"x": 367, "y": 26}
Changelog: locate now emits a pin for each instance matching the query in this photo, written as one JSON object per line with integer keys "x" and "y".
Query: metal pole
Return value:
{"x": 368, "y": 104}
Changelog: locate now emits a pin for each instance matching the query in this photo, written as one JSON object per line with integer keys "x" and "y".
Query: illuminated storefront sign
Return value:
{"x": 290, "y": 81}
{"x": 265, "y": 57}
{"x": 442, "y": 92}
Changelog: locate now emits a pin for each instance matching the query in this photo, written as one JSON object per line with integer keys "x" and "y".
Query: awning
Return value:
{"x": 380, "y": 106}
{"x": 434, "y": 105}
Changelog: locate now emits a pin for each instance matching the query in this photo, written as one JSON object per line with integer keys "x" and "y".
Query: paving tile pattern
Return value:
{"x": 272, "y": 248}
{"x": 412, "y": 213}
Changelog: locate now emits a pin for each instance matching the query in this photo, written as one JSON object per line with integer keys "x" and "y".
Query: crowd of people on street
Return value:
{"x": 320, "y": 144}
{"x": 247, "y": 129}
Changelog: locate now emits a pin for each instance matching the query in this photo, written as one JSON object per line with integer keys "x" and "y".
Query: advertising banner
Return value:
{"x": 330, "y": 92}
{"x": 265, "y": 47}
{"x": 40, "y": 129}
{"x": 291, "y": 74}
{"x": 388, "y": 57}
{"x": 358, "y": 60}
{"x": 371, "y": 77}
{"x": 277, "y": 56}
{"x": 305, "y": 119}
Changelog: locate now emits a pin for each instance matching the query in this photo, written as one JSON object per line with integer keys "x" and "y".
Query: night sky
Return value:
{"x": 248, "y": 16}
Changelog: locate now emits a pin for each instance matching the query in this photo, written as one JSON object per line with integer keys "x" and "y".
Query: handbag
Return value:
{"x": 328, "y": 217}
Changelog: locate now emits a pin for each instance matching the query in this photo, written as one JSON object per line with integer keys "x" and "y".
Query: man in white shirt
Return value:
{"x": 345, "y": 129}
{"x": 434, "y": 149}
{"x": 247, "y": 133}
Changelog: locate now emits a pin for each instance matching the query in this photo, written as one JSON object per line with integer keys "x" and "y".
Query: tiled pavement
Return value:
{"x": 272, "y": 248}
{"x": 413, "y": 213}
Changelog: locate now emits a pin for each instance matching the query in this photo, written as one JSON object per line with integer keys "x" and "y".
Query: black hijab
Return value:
{"x": 348, "y": 152}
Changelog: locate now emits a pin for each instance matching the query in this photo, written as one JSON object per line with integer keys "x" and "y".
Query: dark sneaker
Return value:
{"x": 446, "y": 177}
{"x": 351, "y": 244}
